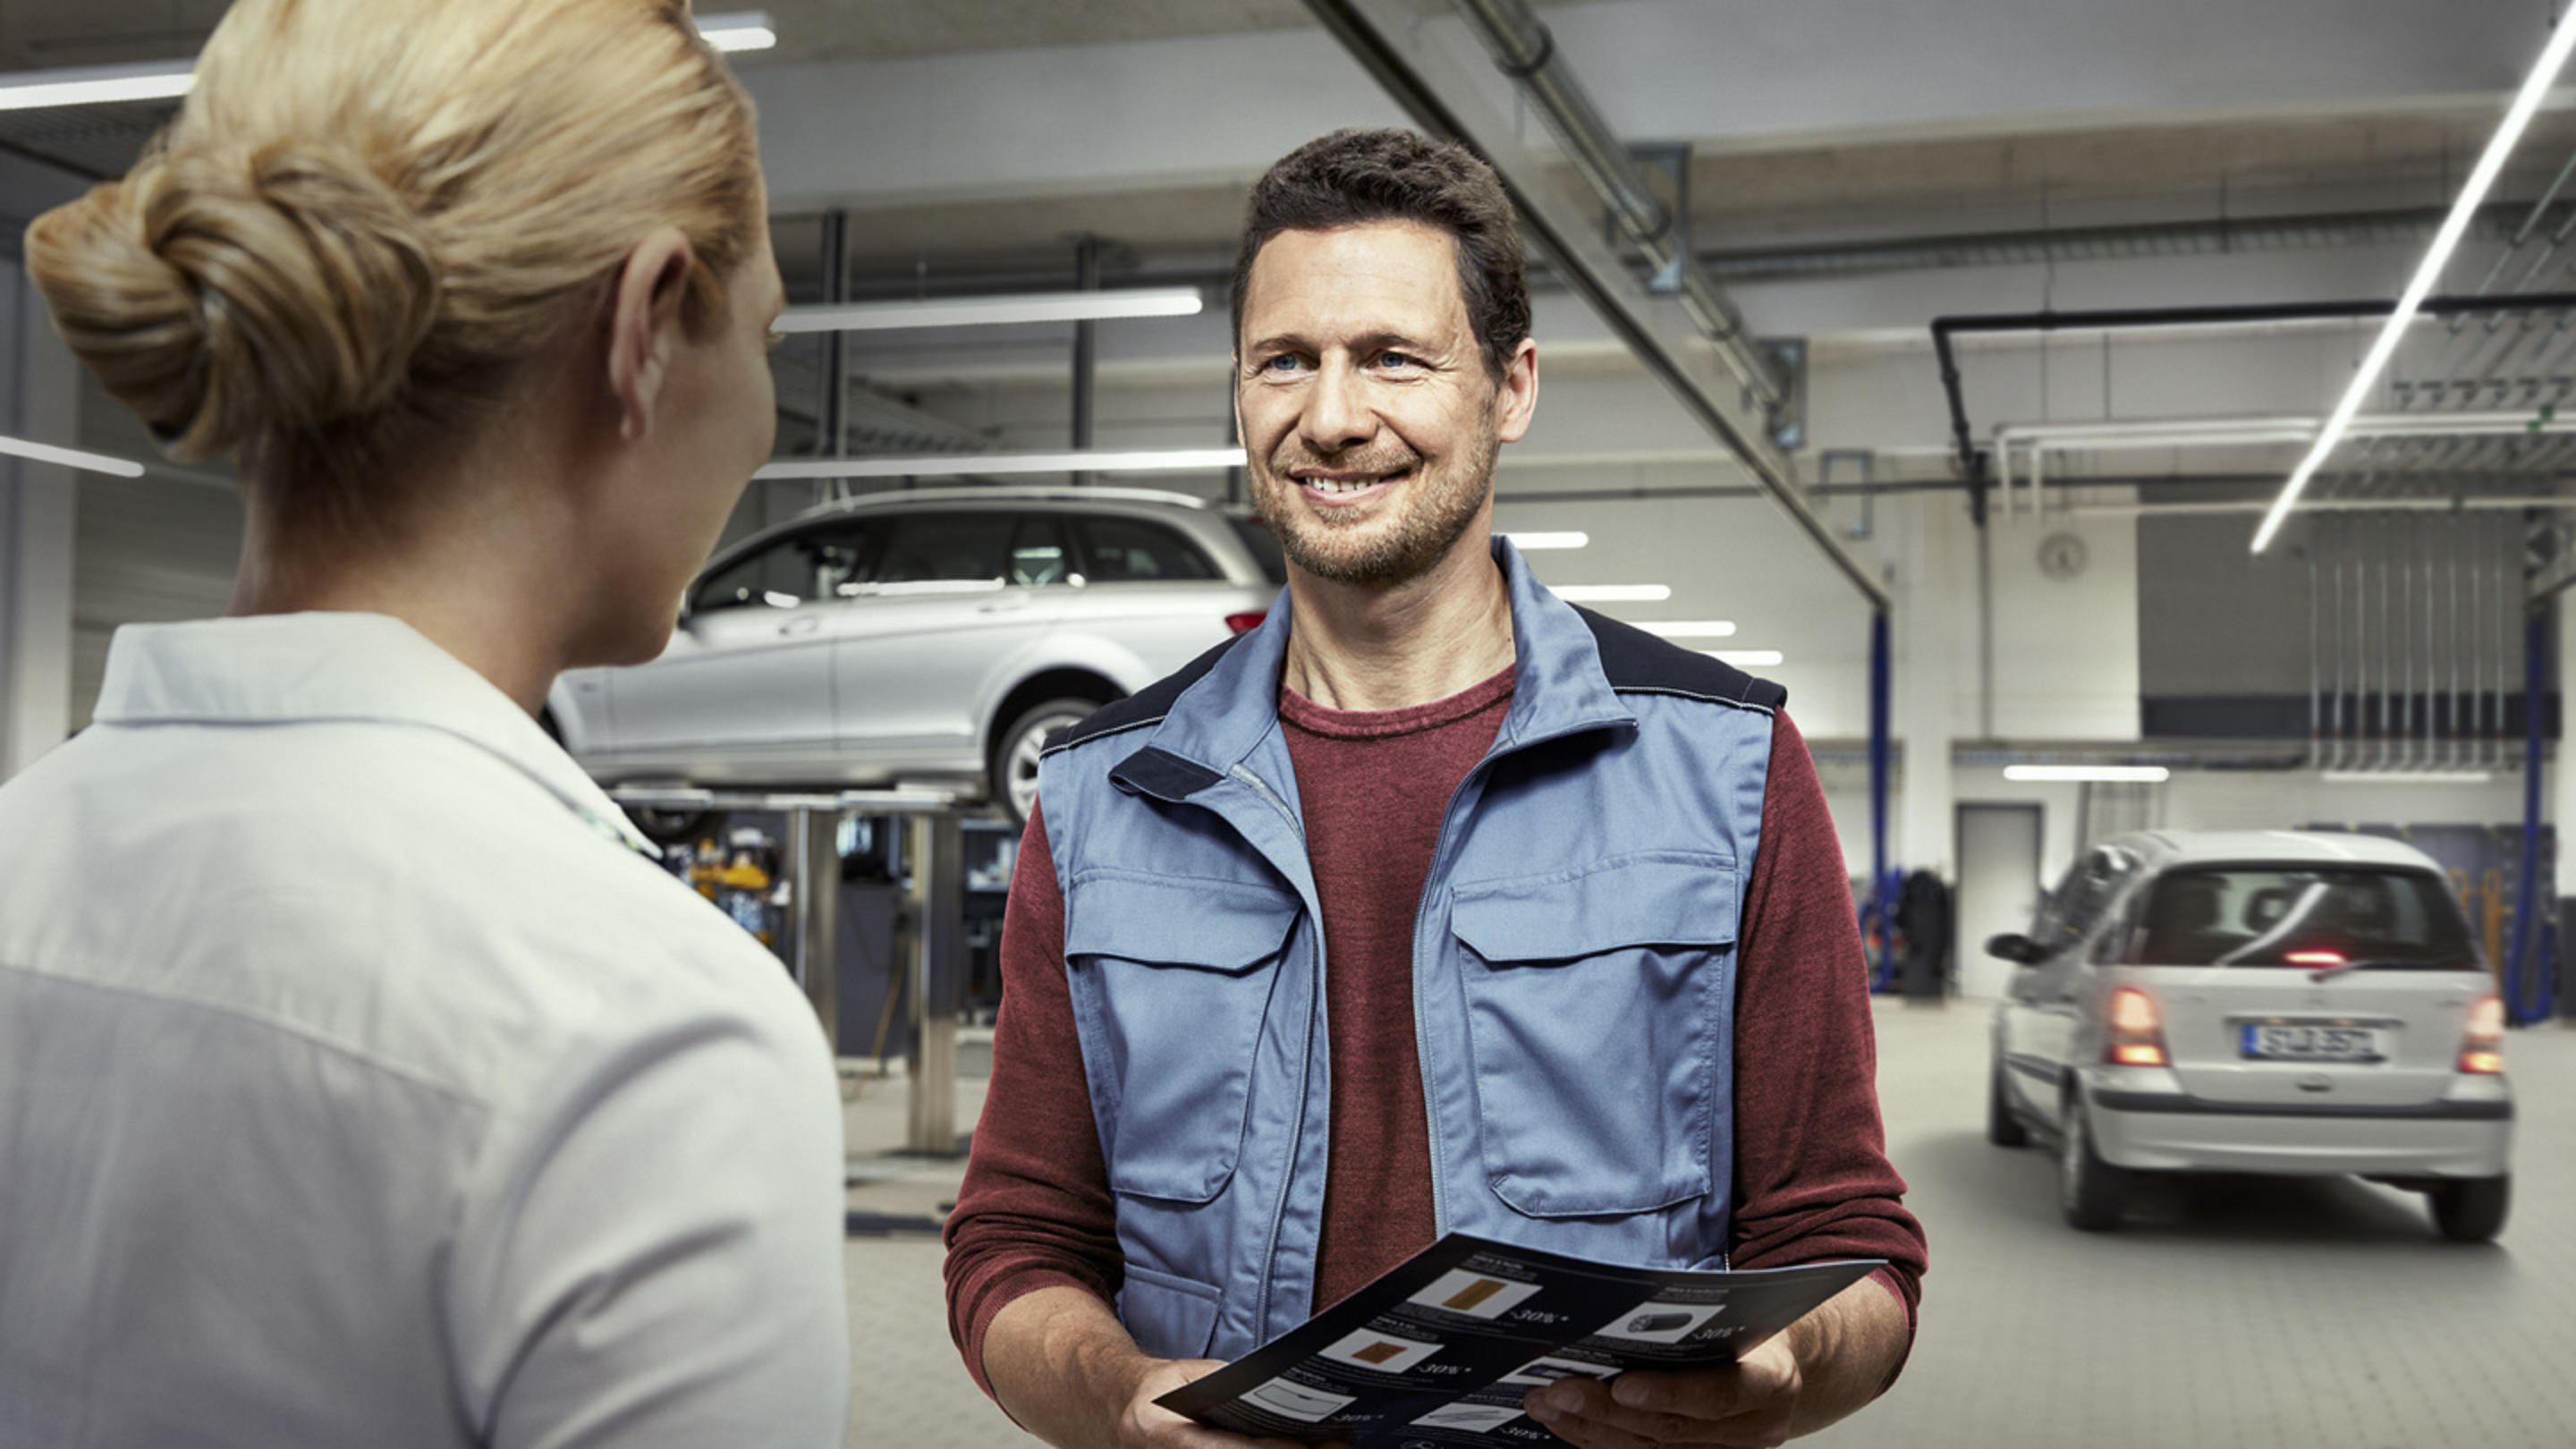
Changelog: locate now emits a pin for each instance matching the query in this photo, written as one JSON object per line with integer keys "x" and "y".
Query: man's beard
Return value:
{"x": 1433, "y": 509}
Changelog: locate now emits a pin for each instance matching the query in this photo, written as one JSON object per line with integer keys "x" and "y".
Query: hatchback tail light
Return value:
{"x": 2483, "y": 1052}
{"x": 2137, "y": 1037}
{"x": 1245, "y": 623}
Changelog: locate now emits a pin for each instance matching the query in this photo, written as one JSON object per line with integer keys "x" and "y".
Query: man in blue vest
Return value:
{"x": 1432, "y": 904}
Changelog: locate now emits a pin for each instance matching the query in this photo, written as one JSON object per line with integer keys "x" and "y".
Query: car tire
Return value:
{"x": 2472, "y": 1209}
{"x": 676, "y": 827}
{"x": 1012, "y": 763}
{"x": 2002, "y": 1128}
{"x": 2089, "y": 1190}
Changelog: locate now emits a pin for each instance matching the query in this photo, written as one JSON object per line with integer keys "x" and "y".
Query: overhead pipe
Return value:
{"x": 1972, "y": 464}
{"x": 1526, "y": 51}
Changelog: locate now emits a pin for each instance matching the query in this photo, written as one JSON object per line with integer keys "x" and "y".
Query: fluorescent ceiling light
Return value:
{"x": 2088, "y": 774}
{"x": 1613, "y": 593}
{"x": 70, "y": 458}
{"x": 1745, "y": 658}
{"x": 961, "y": 465}
{"x": 2552, "y": 58}
{"x": 739, "y": 30}
{"x": 998, "y": 311}
{"x": 96, "y": 85}
{"x": 162, "y": 80}
{"x": 1692, "y": 628}
{"x": 2406, "y": 777}
{"x": 1528, "y": 541}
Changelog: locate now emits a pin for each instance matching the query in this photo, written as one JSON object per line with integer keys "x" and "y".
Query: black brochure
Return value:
{"x": 1442, "y": 1348}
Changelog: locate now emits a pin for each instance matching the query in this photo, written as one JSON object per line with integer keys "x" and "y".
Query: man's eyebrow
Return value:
{"x": 1374, "y": 341}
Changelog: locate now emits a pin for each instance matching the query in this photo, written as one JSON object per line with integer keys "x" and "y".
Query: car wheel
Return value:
{"x": 2471, "y": 1209}
{"x": 2088, "y": 1189}
{"x": 675, "y": 827}
{"x": 1014, "y": 758}
{"x": 2002, "y": 1128}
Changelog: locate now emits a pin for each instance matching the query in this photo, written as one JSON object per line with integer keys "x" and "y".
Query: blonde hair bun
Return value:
{"x": 368, "y": 213}
{"x": 222, "y": 297}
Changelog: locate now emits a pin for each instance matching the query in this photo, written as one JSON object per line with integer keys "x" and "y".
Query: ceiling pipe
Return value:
{"x": 1524, "y": 49}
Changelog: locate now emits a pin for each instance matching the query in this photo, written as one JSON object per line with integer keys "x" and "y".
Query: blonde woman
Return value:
{"x": 362, "y": 1082}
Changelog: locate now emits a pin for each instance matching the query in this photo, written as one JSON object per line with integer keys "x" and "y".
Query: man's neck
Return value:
{"x": 1357, "y": 648}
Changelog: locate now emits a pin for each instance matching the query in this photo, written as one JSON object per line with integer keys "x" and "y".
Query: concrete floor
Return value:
{"x": 2226, "y": 1312}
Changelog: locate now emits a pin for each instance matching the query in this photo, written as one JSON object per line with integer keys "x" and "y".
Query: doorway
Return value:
{"x": 1998, "y": 889}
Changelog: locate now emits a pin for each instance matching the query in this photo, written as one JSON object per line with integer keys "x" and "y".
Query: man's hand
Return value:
{"x": 1750, "y": 1404}
{"x": 1819, "y": 1369}
{"x": 1063, "y": 1369}
{"x": 1147, "y": 1425}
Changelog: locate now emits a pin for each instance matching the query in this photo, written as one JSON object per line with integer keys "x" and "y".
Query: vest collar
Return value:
{"x": 1218, "y": 722}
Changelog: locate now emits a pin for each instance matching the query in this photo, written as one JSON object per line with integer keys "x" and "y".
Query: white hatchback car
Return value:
{"x": 2268, "y": 1002}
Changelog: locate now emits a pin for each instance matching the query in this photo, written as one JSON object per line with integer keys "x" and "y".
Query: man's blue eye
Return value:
{"x": 1396, "y": 359}
{"x": 1281, "y": 363}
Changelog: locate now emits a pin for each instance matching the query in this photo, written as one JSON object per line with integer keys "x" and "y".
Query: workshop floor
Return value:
{"x": 2226, "y": 1311}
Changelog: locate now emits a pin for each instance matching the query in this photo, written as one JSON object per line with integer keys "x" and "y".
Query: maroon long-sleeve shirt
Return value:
{"x": 1812, "y": 1180}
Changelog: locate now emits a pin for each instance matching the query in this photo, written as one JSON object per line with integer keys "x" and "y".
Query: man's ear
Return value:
{"x": 644, "y": 328}
{"x": 1516, "y": 401}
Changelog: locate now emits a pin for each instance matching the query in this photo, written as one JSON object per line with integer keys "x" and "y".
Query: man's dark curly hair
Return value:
{"x": 1352, "y": 177}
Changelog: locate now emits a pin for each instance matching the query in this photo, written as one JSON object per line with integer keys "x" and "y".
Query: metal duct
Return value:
{"x": 1526, "y": 51}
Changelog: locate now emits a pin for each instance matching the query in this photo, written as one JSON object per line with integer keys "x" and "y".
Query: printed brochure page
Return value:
{"x": 1441, "y": 1350}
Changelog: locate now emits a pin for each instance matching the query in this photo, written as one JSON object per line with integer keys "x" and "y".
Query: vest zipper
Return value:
{"x": 1315, "y": 1003}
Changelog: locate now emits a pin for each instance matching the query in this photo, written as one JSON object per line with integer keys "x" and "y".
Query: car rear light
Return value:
{"x": 2315, "y": 958}
{"x": 2483, "y": 1053}
{"x": 1245, "y": 623}
{"x": 2137, "y": 1030}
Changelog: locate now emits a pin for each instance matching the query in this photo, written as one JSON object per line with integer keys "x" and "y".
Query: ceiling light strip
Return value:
{"x": 2553, "y": 57}
{"x": 2088, "y": 774}
{"x": 70, "y": 458}
{"x": 738, "y": 31}
{"x": 965, "y": 465}
{"x": 1691, "y": 628}
{"x": 998, "y": 311}
{"x": 1527, "y": 542}
{"x": 164, "y": 80}
{"x": 1613, "y": 593}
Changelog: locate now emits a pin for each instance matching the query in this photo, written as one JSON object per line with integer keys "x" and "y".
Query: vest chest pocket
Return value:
{"x": 1599, "y": 1004}
{"x": 1172, "y": 979}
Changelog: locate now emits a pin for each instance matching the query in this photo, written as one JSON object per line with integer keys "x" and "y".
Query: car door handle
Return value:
{"x": 805, "y": 624}
{"x": 1003, "y": 604}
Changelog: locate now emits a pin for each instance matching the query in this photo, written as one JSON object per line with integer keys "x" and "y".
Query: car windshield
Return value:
{"x": 1265, "y": 548}
{"x": 2301, "y": 917}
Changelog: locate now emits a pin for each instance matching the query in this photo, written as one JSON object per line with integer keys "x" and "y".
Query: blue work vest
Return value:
{"x": 1573, "y": 968}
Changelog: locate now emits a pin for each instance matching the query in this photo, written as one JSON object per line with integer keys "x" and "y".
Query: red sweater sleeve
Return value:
{"x": 1812, "y": 1179}
{"x": 1035, "y": 1210}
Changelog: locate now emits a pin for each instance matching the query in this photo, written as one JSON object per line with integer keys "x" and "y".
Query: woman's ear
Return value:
{"x": 644, "y": 330}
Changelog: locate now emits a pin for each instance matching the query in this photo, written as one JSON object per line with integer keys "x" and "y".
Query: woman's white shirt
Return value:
{"x": 363, "y": 1082}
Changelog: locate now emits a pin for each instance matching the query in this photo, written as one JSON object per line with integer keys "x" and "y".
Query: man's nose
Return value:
{"x": 1337, "y": 414}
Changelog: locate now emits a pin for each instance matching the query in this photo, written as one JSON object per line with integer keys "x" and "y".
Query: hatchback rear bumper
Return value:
{"x": 2461, "y": 1136}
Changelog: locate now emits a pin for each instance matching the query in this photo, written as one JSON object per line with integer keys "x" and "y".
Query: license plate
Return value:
{"x": 2295, "y": 1043}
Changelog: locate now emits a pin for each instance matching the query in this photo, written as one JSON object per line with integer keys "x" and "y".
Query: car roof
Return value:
{"x": 1024, "y": 493}
{"x": 2167, "y": 849}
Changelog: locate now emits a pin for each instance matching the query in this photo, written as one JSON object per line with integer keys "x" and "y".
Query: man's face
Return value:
{"x": 1368, "y": 413}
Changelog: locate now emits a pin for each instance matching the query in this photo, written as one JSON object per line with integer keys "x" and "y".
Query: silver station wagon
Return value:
{"x": 2267, "y": 1002}
{"x": 928, "y": 636}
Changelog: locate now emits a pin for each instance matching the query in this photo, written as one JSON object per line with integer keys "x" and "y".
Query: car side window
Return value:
{"x": 1039, "y": 555}
{"x": 777, "y": 577}
{"x": 947, "y": 548}
{"x": 1129, "y": 550}
{"x": 2079, "y": 900}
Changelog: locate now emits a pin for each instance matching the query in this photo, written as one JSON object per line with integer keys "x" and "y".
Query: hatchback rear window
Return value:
{"x": 2301, "y": 917}
{"x": 1256, "y": 536}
